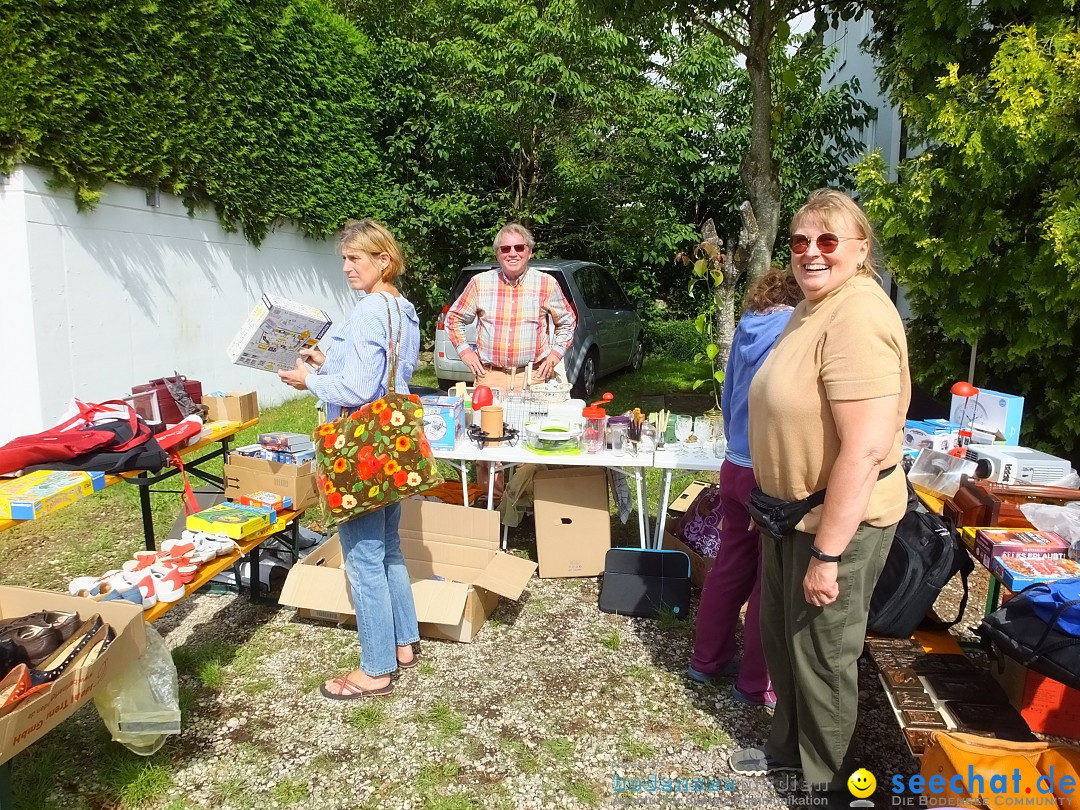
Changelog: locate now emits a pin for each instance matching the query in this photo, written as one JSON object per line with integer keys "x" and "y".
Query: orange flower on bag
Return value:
{"x": 366, "y": 468}
{"x": 326, "y": 429}
{"x": 340, "y": 465}
{"x": 366, "y": 451}
{"x": 403, "y": 443}
{"x": 327, "y": 485}
{"x": 391, "y": 467}
{"x": 401, "y": 478}
{"x": 385, "y": 417}
{"x": 334, "y": 500}
{"x": 328, "y": 441}
{"x": 378, "y": 406}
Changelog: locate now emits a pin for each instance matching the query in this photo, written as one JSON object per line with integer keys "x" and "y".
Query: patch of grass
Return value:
{"x": 35, "y": 773}
{"x": 178, "y": 804}
{"x": 636, "y": 672}
{"x": 632, "y": 749}
{"x": 212, "y": 674}
{"x": 669, "y": 621}
{"x": 527, "y": 762}
{"x": 583, "y": 792}
{"x": 708, "y": 738}
{"x": 611, "y": 640}
{"x": 135, "y": 781}
{"x": 445, "y": 720}
{"x": 366, "y": 717}
{"x": 313, "y": 682}
{"x": 230, "y": 789}
{"x": 426, "y": 668}
{"x": 560, "y": 748}
{"x": 254, "y": 687}
{"x": 193, "y": 659}
{"x": 290, "y": 791}
{"x": 435, "y": 774}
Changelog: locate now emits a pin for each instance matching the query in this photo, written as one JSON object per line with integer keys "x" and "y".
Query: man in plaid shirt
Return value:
{"x": 511, "y": 306}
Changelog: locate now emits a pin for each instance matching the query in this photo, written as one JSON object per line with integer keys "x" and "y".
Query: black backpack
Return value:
{"x": 925, "y": 555}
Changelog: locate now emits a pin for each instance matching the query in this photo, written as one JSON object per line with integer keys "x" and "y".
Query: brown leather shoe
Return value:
{"x": 37, "y": 641}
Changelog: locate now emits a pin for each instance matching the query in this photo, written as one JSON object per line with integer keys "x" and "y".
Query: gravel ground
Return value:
{"x": 549, "y": 704}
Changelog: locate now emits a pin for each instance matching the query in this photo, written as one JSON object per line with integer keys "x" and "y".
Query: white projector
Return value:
{"x": 1010, "y": 464}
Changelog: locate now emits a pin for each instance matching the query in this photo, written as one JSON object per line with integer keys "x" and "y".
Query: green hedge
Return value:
{"x": 678, "y": 340}
{"x": 263, "y": 109}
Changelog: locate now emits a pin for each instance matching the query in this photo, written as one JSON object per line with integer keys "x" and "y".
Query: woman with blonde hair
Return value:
{"x": 353, "y": 372}
{"x": 826, "y": 417}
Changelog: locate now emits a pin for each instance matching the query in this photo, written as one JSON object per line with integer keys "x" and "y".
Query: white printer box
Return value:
{"x": 275, "y": 332}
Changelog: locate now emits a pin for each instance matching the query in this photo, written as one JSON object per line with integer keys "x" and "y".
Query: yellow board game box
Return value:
{"x": 231, "y": 519}
{"x": 30, "y": 496}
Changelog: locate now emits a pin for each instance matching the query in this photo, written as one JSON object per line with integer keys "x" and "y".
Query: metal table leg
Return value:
{"x": 643, "y": 516}
{"x": 147, "y": 515}
{"x": 661, "y": 509}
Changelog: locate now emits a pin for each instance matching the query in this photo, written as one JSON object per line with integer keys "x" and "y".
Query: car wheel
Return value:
{"x": 637, "y": 357}
{"x": 446, "y": 385}
{"x": 585, "y": 386}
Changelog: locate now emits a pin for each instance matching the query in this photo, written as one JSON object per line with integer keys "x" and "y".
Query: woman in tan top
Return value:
{"x": 826, "y": 412}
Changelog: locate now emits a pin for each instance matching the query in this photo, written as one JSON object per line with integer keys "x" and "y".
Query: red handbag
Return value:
{"x": 74, "y": 437}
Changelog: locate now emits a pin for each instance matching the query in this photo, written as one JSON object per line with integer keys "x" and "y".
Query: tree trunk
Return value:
{"x": 758, "y": 169}
{"x": 724, "y": 299}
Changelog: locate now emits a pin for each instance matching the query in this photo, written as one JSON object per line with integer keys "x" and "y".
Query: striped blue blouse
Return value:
{"x": 356, "y": 366}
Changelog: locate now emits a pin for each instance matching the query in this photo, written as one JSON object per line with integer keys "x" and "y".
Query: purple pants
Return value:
{"x": 734, "y": 581}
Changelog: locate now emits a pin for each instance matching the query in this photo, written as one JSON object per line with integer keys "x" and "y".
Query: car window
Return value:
{"x": 614, "y": 294}
{"x": 592, "y": 287}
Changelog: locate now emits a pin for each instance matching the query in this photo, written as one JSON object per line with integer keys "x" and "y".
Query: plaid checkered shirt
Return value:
{"x": 511, "y": 319}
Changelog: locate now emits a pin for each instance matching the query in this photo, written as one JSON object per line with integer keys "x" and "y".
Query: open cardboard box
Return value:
{"x": 245, "y": 475}
{"x": 235, "y": 406}
{"x": 38, "y": 714}
{"x": 457, "y": 543}
{"x": 699, "y": 566}
{"x": 573, "y": 525}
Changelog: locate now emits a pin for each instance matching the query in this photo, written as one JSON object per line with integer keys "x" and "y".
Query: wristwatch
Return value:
{"x": 821, "y": 555}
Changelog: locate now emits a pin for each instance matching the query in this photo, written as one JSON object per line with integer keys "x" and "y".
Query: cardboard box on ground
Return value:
{"x": 38, "y": 714}
{"x": 244, "y": 475}
{"x": 235, "y": 406}
{"x": 453, "y": 557}
{"x": 573, "y": 525}
{"x": 699, "y": 566}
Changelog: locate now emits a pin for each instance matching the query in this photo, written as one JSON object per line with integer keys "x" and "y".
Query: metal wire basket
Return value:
{"x": 549, "y": 394}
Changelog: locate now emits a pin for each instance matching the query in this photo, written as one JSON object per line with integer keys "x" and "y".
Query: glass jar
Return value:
{"x": 594, "y": 433}
{"x": 617, "y": 437}
{"x": 648, "y": 438}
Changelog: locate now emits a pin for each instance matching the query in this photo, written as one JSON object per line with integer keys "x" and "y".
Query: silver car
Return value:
{"x": 609, "y": 334}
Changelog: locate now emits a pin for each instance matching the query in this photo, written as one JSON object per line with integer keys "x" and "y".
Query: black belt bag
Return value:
{"x": 778, "y": 517}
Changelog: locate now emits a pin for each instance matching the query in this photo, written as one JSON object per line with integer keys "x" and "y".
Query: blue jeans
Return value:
{"x": 382, "y": 595}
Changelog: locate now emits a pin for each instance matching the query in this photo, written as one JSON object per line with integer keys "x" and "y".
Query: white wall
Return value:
{"x": 94, "y": 303}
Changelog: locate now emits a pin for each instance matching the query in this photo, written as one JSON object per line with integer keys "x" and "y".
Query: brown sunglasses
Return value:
{"x": 826, "y": 242}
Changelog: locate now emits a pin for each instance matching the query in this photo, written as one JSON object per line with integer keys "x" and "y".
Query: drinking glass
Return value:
{"x": 684, "y": 427}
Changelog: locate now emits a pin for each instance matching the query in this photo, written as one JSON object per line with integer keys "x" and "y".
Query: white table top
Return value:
{"x": 668, "y": 460}
{"x": 465, "y": 450}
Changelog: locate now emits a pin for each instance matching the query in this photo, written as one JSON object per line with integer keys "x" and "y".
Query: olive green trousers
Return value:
{"x": 813, "y": 652}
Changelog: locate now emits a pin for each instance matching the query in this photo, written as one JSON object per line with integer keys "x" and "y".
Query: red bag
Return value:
{"x": 168, "y": 410}
{"x": 76, "y": 436}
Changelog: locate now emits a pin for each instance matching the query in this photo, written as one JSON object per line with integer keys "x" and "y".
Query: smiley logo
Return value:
{"x": 861, "y": 783}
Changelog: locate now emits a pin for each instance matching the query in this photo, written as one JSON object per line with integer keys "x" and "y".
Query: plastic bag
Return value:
{"x": 141, "y": 706}
{"x": 1065, "y": 520}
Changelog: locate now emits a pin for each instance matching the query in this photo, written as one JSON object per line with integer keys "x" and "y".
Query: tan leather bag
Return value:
{"x": 1031, "y": 772}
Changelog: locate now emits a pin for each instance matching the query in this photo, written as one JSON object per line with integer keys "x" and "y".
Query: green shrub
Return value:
{"x": 675, "y": 339}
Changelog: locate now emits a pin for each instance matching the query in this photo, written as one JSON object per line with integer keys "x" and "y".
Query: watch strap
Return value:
{"x": 821, "y": 555}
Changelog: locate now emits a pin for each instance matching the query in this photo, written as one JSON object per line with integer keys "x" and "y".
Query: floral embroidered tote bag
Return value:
{"x": 375, "y": 455}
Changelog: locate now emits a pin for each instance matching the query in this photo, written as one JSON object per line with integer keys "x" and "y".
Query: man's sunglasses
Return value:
{"x": 518, "y": 248}
{"x": 826, "y": 242}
